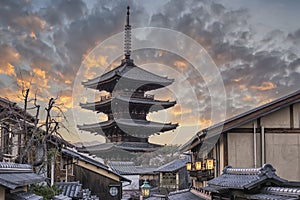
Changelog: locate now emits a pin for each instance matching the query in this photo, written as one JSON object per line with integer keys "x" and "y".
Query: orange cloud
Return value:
{"x": 179, "y": 110}
{"x": 236, "y": 80}
{"x": 91, "y": 62}
{"x": 32, "y": 35}
{"x": 180, "y": 65}
{"x": 264, "y": 86}
{"x": 66, "y": 101}
{"x": 204, "y": 123}
{"x": 247, "y": 98}
{"x": 40, "y": 73}
{"x": 9, "y": 69}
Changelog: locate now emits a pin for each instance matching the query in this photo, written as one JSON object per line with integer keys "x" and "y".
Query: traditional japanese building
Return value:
{"x": 128, "y": 104}
{"x": 269, "y": 133}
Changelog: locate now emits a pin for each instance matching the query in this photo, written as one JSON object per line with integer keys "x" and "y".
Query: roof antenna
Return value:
{"x": 127, "y": 41}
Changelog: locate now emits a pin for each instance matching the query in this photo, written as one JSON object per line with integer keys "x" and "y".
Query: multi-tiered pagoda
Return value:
{"x": 128, "y": 104}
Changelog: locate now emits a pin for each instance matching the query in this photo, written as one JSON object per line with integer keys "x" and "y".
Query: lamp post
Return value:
{"x": 145, "y": 189}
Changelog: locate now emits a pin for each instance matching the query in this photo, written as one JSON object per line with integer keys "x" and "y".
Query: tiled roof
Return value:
{"x": 70, "y": 189}
{"x": 173, "y": 165}
{"x": 155, "y": 104}
{"x": 244, "y": 178}
{"x": 91, "y": 160}
{"x": 17, "y": 175}
{"x": 61, "y": 197}
{"x": 23, "y": 196}
{"x": 130, "y": 71}
{"x": 146, "y": 128}
{"x": 17, "y": 110}
{"x": 129, "y": 168}
{"x": 73, "y": 190}
{"x": 16, "y": 166}
{"x": 277, "y": 193}
{"x": 183, "y": 194}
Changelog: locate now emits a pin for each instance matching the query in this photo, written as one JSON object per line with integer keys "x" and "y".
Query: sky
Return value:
{"x": 248, "y": 50}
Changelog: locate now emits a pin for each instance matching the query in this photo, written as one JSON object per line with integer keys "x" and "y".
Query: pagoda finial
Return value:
{"x": 127, "y": 42}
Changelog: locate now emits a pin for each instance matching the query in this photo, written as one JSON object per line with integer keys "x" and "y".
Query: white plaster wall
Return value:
{"x": 240, "y": 149}
{"x": 297, "y": 115}
{"x": 277, "y": 119}
{"x": 283, "y": 152}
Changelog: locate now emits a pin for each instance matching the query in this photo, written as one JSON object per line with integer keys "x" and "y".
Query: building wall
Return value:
{"x": 240, "y": 149}
{"x": 2, "y": 193}
{"x": 296, "y": 109}
{"x": 280, "y": 118}
{"x": 97, "y": 183}
{"x": 282, "y": 151}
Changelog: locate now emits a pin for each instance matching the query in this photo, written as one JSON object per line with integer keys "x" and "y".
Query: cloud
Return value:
{"x": 44, "y": 43}
{"x": 264, "y": 86}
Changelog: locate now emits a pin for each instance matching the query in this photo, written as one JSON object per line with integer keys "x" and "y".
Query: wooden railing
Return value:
{"x": 129, "y": 94}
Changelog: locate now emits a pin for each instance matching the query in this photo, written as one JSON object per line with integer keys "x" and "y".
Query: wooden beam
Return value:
{"x": 267, "y": 130}
{"x": 225, "y": 142}
{"x": 291, "y": 116}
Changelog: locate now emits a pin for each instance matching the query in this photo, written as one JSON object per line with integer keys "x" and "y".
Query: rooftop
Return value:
{"x": 129, "y": 168}
{"x": 93, "y": 160}
{"x": 156, "y": 104}
{"x": 128, "y": 71}
{"x": 174, "y": 165}
{"x": 23, "y": 196}
{"x": 146, "y": 128}
{"x": 14, "y": 175}
{"x": 70, "y": 189}
{"x": 244, "y": 178}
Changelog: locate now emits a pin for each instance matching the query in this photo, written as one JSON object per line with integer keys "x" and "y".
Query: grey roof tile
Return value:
{"x": 130, "y": 71}
{"x": 23, "y": 196}
{"x": 174, "y": 165}
{"x": 244, "y": 178}
{"x": 14, "y": 175}
{"x": 91, "y": 160}
{"x": 70, "y": 189}
{"x": 129, "y": 168}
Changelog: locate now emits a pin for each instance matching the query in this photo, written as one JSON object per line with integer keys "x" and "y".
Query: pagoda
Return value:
{"x": 127, "y": 104}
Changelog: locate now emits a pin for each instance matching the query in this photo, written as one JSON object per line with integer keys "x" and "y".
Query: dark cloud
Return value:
{"x": 294, "y": 37}
{"x": 53, "y": 36}
{"x": 241, "y": 54}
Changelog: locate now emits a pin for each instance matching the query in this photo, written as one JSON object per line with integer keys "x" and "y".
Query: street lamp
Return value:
{"x": 145, "y": 189}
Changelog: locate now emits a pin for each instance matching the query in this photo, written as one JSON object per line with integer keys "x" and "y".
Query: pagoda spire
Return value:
{"x": 127, "y": 41}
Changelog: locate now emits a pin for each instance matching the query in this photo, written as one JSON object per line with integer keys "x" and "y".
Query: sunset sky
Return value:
{"x": 254, "y": 45}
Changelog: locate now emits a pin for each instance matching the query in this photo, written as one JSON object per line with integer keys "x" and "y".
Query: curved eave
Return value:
{"x": 145, "y": 85}
{"x": 99, "y": 83}
{"x": 131, "y": 82}
{"x": 144, "y": 124}
{"x": 135, "y": 147}
{"x": 136, "y": 128}
{"x": 154, "y": 104}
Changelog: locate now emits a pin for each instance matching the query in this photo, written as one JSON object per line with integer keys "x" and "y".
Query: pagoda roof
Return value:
{"x": 158, "y": 105}
{"x": 135, "y": 127}
{"x": 113, "y": 150}
{"x": 130, "y": 168}
{"x": 130, "y": 71}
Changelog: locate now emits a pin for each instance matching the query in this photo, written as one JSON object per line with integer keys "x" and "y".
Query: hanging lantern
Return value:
{"x": 209, "y": 164}
{"x": 198, "y": 165}
{"x": 189, "y": 166}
